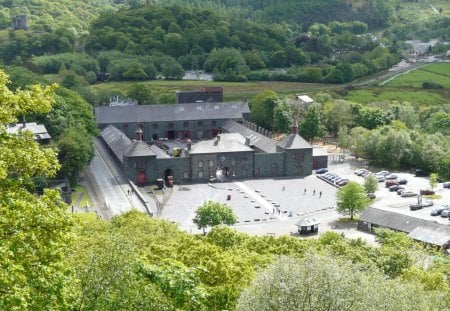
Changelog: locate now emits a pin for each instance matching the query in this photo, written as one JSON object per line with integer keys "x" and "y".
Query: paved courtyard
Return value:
{"x": 273, "y": 206}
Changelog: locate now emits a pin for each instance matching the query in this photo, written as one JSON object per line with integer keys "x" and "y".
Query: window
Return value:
{"x": 200, "y": 123}
{"x": 185, "y": 175}
{"x": 155, "y": 125}
{"x": 125, "y": 126}
{"x": 233, "y": 162}
{"x": 233, "y": 173}
{"x": 213, "y": 122}
{"x": 244, "y": 161}
{"x": 170, "y": 125}
{"x": 244, "y": 172}
{"x": 211, "y": 163}
{"x": 200, "y": 174}
{"x": 256, "y": 171}
{"x": 185, "y": 124}
{"x": 200, "y": 163}
{"x": 140, "y": 164}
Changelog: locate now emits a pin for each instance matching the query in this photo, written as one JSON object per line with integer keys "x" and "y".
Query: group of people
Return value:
{"x": 314, "y": 192}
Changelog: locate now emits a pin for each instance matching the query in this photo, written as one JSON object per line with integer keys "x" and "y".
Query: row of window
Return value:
{"x": 244, "y": 162}
{"x": 171, "y": 125}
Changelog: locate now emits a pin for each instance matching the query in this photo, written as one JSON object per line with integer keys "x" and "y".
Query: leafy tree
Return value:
{"x": 75, "y": 151}
{"x": 351, "y": 199}
{"x": 141, "y": 93}
{"x": 227, "y": 64}
{"x": 212, "y": 214}
{"x": 344, "y": 138}
{"x": 35, "y": 230}
{"x": 172, "y": 70}
{"x": 282, "y": 115}
{"x": 262, "y": 108}
{"x": 311, "y": 126}
{"x": 332, "y": 284}
{"x": 433, "y": 180}
{"x": 135, "y": 72}
{"x": 370, "y": 184}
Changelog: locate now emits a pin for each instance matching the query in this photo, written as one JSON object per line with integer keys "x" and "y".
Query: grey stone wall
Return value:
{"x": 132, "y": 167}
{"x": 180, "y": 168}
{"x": 298, "y": 162}
{"x": 320, "y": 162}
{"x": 268, "y": 164}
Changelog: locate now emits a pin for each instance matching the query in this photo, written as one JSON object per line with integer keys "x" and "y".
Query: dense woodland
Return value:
{"x": 53, "y": 260}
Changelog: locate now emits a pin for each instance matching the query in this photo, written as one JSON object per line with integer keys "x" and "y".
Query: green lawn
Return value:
{"x": 422, "y": 97}
{"x": 439, "y": 73}
{"x": 80, "y": 191}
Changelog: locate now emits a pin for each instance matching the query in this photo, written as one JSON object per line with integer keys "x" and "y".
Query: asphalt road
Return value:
{"x": 108, "y": 186}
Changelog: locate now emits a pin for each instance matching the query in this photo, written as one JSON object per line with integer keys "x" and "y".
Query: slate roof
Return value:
{"x": 160, "y": 154}
{"x": 391, "y": 220}
{"x": 294, "y": 141}
{"x": 417, "y": 229}
{"x": 307, "y": 221}
{"x": 122, "y": 146}
{"x": 175, "y": 112}
{"x": 39, "y": 131}
{"x": 258, "y": 140}
{"x": 227, "y": 143}
{"x": 319, "y": 152}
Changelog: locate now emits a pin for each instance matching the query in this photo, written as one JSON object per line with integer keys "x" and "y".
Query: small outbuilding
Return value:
{"x": 308, "y": 225}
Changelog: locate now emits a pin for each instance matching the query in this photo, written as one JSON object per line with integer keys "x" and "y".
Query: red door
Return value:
{"x": 141, "y": 178}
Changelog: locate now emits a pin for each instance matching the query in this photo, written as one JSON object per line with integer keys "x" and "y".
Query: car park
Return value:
{"x": 365, "y": 174}
{"x": 343, "y": 182}
{"x": 427, "y": 203}
{"x": 406, "y": 194}
{"x": 391, "y": 176}
{"x": 360, "y": 171}
{"x": 321, "y": 170}
{"x": 402, "y": 181}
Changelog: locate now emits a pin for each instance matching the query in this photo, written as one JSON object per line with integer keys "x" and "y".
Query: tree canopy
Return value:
{"x": 212, "y": 214}
{"x": 351, "y": 199}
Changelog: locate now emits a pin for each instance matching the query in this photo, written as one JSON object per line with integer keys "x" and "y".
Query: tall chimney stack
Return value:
{"x": 294, "y": 128}
{"x": 139, "y": 133}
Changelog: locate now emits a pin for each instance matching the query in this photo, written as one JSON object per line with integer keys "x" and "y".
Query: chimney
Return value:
{"x": 247, "y": 141}
{"x": 294, "y": 128}
{"x": 189, "y": 145}
{"x": 139, "y": 133}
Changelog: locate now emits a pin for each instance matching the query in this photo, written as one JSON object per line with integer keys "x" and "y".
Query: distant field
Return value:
{"x": 439, "y": 73}
{"x": 444, "y": 4}
{"x": 410, "y": 95}
{"x": 232, "y": 90}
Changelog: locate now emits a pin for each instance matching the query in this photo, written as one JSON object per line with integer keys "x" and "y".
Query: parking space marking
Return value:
{"x": 258, "y": 198}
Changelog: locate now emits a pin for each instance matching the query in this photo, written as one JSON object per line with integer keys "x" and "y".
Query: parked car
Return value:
{"x": 415, "y": 207}
{"x": 426, "y": 192}
{"x": 383, "y": 173}
{"x": 402, "y": 181}
{"x": 446, "y": 185}
{"x": 365, "y": 174}
{"x": 421, "y": 173}
{"x": 391, "y": 176}
{"x": 406, "y": 194}
{"x": 400, "y": 190}
{"x": 380, "y": 178}
{"x": 445, "y": 213}
{"x": 395, "y": 188}
{"x": 342, "y": 183}
{"x": 437, "y": 211}
{"x": 321, "y": 170}
{"x": 427, "y": 203}
{"x": 389, "y": 183}
{"x": 358, "y": 172}
{"x": 371, "y": 196}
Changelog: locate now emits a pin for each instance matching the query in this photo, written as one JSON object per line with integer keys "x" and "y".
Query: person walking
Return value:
{"x": 304, "y": 192}
{"x": 320, "y": 194}
{"x": 314, "y": 192}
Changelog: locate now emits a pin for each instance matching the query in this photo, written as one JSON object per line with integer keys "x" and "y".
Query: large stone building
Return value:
{"x": 198, "y": 142}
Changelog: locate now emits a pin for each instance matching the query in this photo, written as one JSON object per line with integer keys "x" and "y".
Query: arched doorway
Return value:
{"x": 168, "y": 177}
{"x": 141, "y": 178}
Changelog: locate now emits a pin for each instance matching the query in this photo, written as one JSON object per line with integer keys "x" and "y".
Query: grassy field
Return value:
{"x": 439, "y": 73}
{"x": 81, "y": 194}
{"x": 232, "y": 90}
{"x": 421, "y": 97}
{"x": 442, "y": 4}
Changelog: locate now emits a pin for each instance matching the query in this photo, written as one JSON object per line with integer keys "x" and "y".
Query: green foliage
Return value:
{"x": 351, "y": 199}
{"x": 433, "y": 180}
{"x": 35, "y": 230}
{"x": 370, "y": 184}
{"x": 282, "y": 114}
{"x": 212, "y": 213}
{"x": 320, "y": 283}
{"x": 262, "y": 108}
{"x": 311, "y": 126}
{"x": 141, "y": 93}
{"x": 431, "y": 85}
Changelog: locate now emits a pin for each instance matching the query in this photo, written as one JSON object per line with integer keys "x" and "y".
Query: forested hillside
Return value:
{"x": 302, "y": 12}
